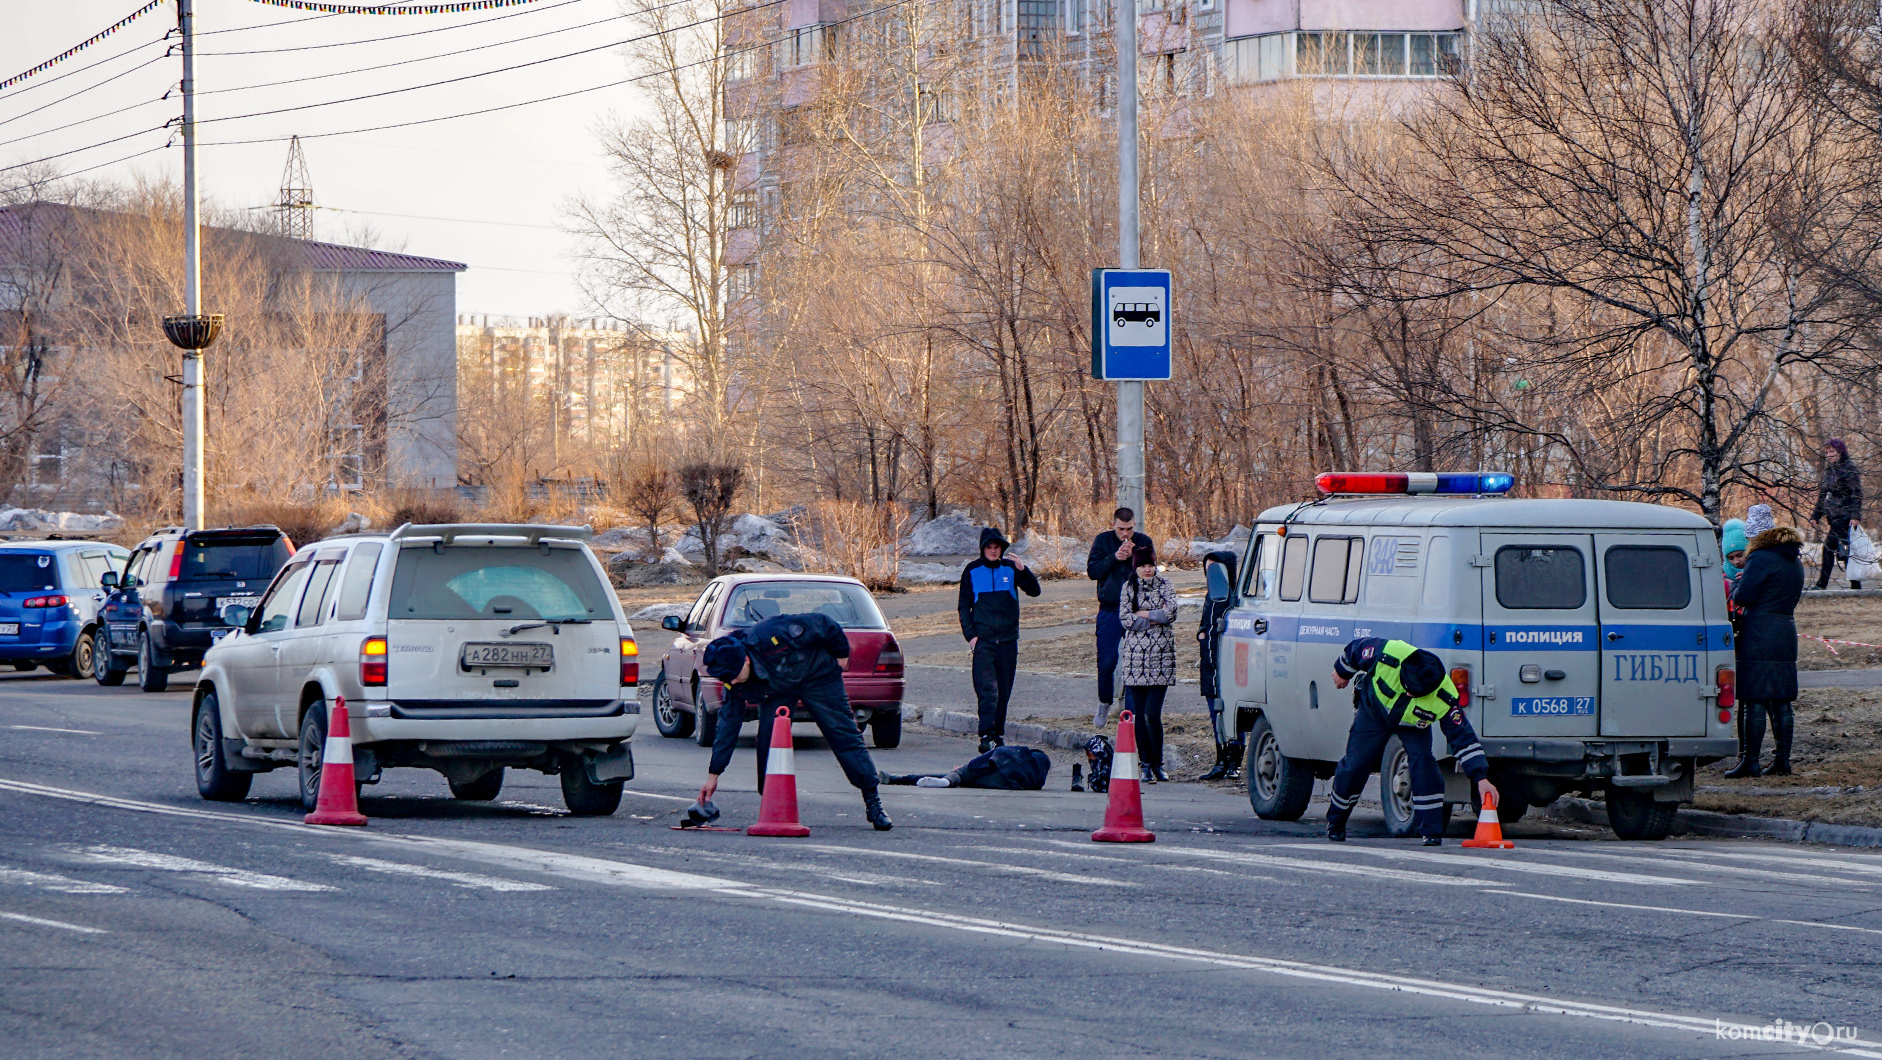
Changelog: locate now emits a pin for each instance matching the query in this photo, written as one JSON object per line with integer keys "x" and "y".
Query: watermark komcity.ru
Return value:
{"x": 1819, "y": 1033}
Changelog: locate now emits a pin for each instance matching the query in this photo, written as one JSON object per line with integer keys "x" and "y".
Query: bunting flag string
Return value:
{"x": 394, "y": 9}
{"x": 82, "y": 45}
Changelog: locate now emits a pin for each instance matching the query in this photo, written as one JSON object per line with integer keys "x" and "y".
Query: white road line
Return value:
{"x": 43, "y": 922}
{"x": 456, "y": 879}
{"x": 617, "y": 873}
{"x": 1832, "y": 927}
{"x": 53, "y": 882}
{"x": 1510, "y": 864}
{"x": 143, "y": 859}
{"x": 1301, "y": 865}
{"x": 1734, "y": 870}
{"x": 1219, "y": 872}
{"x": 869, "y": 879}
{"x": 1689, "y": 912}
{"x": 997, "y": 866}
{"x": 1874, "y": 865}
{"x": 1030, "y": 852}
{"x": 48, "y": 728}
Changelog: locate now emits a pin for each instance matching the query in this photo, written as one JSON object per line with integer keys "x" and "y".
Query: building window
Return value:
{"x": 741, "y": 135}
{"x": 1345, "y": 55}
{"x": 807, "y": 44}
{"x": 1075, "y": 17}
{"x": 741, "y": 282}
{"x": 1433, "y": 54}
{"x": 933, "y": 104}
{"x": 742, "y": 212}
{"x": 349, "y": 457}
{"x": 1322, "y": 55}
{"x": 1252, "y": 59}
{"x": 1379, "y": 54}
{"x": 741, "y": 60}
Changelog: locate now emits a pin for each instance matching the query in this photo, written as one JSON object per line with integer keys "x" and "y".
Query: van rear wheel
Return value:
{"x": 1636, "y": 814}
{"x": 1279, "y": 787}
{"x": 1395, "y": 793}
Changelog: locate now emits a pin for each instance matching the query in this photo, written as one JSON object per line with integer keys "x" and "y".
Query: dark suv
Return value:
{"x": 165, "y": 609}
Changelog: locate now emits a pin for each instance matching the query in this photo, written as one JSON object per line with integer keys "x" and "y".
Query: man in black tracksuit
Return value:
{"x": 989, "y": 606}
{"x": 1109, "y": 564}
{"x": 777, "y": 663}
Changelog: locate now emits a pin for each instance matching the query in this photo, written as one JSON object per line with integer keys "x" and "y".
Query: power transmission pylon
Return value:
{"x": 295, "y": 206}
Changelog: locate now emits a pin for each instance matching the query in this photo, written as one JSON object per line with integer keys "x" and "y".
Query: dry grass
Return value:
{"x": 1838, "y": 618}
{"x": 861, "y": 541}
{"x": 1838, "y": 746}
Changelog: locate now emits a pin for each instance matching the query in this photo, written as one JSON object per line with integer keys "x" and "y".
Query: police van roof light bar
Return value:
{"x": 1473, "y": 483}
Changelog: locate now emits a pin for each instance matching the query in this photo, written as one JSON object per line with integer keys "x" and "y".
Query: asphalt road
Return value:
{"x": 139, "y": 921}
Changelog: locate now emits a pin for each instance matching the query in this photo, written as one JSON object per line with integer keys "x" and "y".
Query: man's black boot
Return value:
{"x": 1235, "y": 754}
{"x": 986, "y": 744}
{"x": 1078, "y": 777}
{"x": 872, "y": 809}
{"x": 1221, "y": 767}
{"x": 1434, "y": 841}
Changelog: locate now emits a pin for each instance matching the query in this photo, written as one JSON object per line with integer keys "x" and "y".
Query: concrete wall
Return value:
{"x": 420, "y": 311}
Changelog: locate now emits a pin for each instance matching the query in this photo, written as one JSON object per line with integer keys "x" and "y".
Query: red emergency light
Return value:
{"x": 1406, "y": 482}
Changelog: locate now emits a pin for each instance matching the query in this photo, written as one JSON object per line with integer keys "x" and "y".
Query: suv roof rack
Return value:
{"x": 532, "y": 533}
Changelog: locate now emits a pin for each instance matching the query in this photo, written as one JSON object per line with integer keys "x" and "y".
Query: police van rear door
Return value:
{"x": 1653, "y": 635}
{"x": 1242, "y": 659}
{"x": 1541, "y": 655}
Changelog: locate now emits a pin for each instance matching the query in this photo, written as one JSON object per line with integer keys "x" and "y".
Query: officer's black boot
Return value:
{"x": 1783, "y": 721}
{"x": 1078, "y": 778}
{"x": 1235, "y": 753}
{"x": 1434, "y": 841}
{"x": 1336, "y": 827}
{"x": 1221, "y": 767}
{"x": 872, "y": 809}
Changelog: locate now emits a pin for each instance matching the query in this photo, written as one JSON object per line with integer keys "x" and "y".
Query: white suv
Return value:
{"x": 461, "y": 648}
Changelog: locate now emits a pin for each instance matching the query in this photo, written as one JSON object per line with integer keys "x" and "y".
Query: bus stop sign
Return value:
{"x": 1130, "y": 324}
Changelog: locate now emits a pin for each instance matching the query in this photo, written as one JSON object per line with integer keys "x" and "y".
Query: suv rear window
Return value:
{"x": 1649, "y": 577}
{"x": 850, "y": 606}
{"x": 27, "y": 572}
{"x": 232, "y": 559}
{"x": 494, "y": 581}
{"x": 1540, "y": 577}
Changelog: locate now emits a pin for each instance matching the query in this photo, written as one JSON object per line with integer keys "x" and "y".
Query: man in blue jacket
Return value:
{"x": 1402, "y": 689}
{"x": 989, "y": 608}
{"x": 778, "y": 663}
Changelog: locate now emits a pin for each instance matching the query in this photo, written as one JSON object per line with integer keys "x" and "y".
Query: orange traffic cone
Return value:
{"x": 339, "y": 798}
{"x": 1489, "y": 828}
{"x": 777, "y": 814}
{"x": 1124, "y": 815}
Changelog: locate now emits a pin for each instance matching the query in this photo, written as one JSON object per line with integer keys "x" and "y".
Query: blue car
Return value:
{"x": 49, "y": 601}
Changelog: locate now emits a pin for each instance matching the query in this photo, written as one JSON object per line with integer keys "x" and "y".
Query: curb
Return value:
{"x": 1735, "y": 826}
{"x": 1018, "y": 732}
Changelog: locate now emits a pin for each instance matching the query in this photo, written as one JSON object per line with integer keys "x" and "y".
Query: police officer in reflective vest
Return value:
{"x": 1402, "y": 690}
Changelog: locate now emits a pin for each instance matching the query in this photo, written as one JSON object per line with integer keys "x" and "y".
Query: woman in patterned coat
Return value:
{"x": 1147, "y": 611}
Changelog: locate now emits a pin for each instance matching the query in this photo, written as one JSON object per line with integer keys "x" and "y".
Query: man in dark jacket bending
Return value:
{"x": 989, "y": 607}
{"x": 778, "y": 663}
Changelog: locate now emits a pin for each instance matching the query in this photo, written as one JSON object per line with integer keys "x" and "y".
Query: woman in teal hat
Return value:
{"x": 1732, "y": 545}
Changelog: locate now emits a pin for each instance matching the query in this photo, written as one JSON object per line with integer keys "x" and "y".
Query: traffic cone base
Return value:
{"x": 339, "y": 796}
{"x": 1124, "y": 814}
{"x": 777, "y": 813}
{"x": 1489, "y": 828}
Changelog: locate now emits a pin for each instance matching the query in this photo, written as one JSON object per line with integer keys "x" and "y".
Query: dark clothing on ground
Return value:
{"x": 1145, "y": 702}
{"x": 1110, "y": 637}
{"x": 994, "y": 664}
{"x": 1103, "y": 567}
{"x": 1839, "y": 493}
{"x": 1003, "y": 769}
{"x": 1372, "y": 728}
{"x": 989, "y": 598}
{"x": 794, "y": 658}
{"x": 1767, "y": 640}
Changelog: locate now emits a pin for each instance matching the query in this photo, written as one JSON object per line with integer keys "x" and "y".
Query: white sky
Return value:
{"x": 517, "y": 166}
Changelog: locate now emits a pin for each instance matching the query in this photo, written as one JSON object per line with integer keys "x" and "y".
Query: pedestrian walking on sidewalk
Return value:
{"x": 1839, "y": 502}
{"x": 1110, "y": 565}
{"x": 777, "y": 663}
{"x": 989, "y": 609}
{"x": 1147, "y": 610}
{"x": 1767, "y": 644}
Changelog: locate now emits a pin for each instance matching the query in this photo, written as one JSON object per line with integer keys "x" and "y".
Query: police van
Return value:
{"x": 1589, "y": 637}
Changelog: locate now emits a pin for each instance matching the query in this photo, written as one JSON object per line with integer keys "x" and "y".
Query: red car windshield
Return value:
{"x": 850, "y": 605}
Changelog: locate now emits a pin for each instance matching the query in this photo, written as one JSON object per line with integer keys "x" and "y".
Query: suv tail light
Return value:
{"x": 372, "y": 662}
{"x": 889, "y": 659}
{"x": 45, "y": 601}
{"x": 630, "y": 662}
{"x": 176, "y": 561}
{"x": 1728, "y": 691}
{"x": 1460, "y": 676}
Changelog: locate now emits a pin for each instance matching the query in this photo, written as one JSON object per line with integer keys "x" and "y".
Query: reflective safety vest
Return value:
{"x": 1400, "y": 706}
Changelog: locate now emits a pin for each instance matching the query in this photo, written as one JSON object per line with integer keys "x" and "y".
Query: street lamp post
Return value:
{"x": 193, "y": 332}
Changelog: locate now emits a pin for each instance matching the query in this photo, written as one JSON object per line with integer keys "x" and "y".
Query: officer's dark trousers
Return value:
{"x": 1110, "y": 633}
{"x": 994, "y": 663}
{"x": 830, "y": 709}
{"x": 1364, "y": 746}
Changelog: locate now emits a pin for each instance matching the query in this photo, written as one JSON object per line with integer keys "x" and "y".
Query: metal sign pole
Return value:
{"x": 1130, "y": 392}
{"x": 192, "y": 283}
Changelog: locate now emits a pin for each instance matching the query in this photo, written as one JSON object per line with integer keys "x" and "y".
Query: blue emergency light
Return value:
{"x": 1389, "y": 482}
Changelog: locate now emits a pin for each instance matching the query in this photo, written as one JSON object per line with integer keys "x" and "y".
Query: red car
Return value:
{"x": 686, "y": 700}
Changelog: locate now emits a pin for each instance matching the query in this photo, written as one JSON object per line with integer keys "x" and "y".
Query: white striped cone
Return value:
{"x": 339, "y": 797}
{"x": 777, "y": 813}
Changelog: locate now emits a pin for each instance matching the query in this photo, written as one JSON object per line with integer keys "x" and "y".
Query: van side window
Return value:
{"x": 1293, "y": 567}
{"x": 1648, "y": 577}
{"x": 1336, "y": 565}
{"x": 1540, "y": 578}
{"x": 1263, "y": 567}
{"x": 356, "y": 585}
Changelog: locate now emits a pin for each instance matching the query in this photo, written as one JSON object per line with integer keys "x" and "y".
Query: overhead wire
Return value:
{"x": 396, "y": 36}
{"x": 24, "y": 114}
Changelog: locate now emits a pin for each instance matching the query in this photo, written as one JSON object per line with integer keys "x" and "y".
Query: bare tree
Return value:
{"x": 711, "y": 489}
{"x": 650, "y": 492}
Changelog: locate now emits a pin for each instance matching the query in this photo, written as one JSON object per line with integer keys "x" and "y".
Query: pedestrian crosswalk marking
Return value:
{"x": 1731, "y": 870}
{"x": 1851, "y": 865}
{"x": 1301, "y": 864}
{"x": 1017, "y": 870}
{"x": 456, "y": 879}
{"x": 868, "y": 879}
{"x": 1510, "y": 864}
{"x": 43, "y": 922}
{"x": 143, "y": 859}
{"x": 48, "y": 881}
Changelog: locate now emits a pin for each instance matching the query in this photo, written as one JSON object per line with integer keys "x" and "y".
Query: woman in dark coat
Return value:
{"x": 1767, "y": 645}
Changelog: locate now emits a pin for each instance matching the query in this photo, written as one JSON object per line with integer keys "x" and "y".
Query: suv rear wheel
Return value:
{"x": 150, "y": 676}
{"x": 483, "y": 789}
{"x": 81, "y": 658}
{"x": 215, "y": 780}
{"x": 584, "y": 797}
{"x": 104, "y": 665}
{"x": 312, "y": 750}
